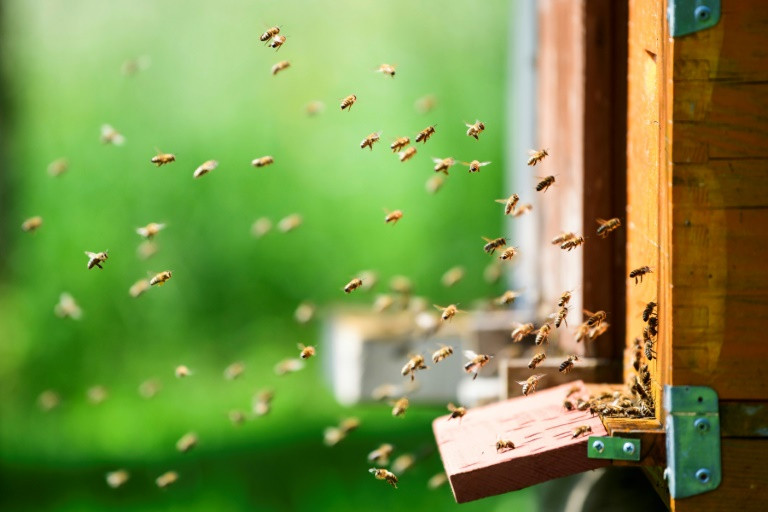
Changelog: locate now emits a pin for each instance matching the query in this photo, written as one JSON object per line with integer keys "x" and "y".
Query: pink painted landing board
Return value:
{"x": 542, "y": 431}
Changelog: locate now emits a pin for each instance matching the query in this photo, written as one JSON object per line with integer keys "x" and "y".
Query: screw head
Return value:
{"x": 702, "y": 425}
{"x": 702, "y": 13}
{"x": 598, "y": 446}
{"x": 628, "y": 448}
{"x": 703, "y": 475}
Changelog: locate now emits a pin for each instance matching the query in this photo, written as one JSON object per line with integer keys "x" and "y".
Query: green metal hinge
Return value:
{"x": 617, "y": 448}
{"x": 689, "y": 16}
{"x": 693, "y": 440}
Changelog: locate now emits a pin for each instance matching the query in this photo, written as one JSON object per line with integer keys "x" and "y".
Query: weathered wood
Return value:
{"x": 544, "y": 445}
{"x": 744, "y": 419}
{"x": 650, "y": 432}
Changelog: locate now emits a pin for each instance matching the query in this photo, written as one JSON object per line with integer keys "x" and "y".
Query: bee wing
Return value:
{"x": 601, "y": 221}
{"x": 521, "y": 382}
{"x": 533, "y": 152}
{"x": 588, "y": 312}
{"x": 90, "y": 254}
{"x": 437, "y": 160}
{"x": 486, "y": 239}
{"x": 301, "y": 346}
{"x": 466, "y": 163}
{"x": 451, "y": 407}
{"x": 470, "y": 354}
{"x": 482, "y": 164}
{"x": 502, "y": 201}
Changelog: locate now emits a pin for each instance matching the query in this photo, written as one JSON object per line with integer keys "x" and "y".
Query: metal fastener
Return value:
{"x": 702, "y": 13}
{"x": 598, "y": 446}
{"x": 628, "y": 448}
{"x": 703, "y": 475}
{"x": 702, "y": 425}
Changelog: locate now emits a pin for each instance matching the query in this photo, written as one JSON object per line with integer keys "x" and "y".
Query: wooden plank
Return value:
{"x": 586, "y": 369}
{"x": 744, "y": 419}
{"x": 653, "y": 449}
{"x": 544, "y": 445}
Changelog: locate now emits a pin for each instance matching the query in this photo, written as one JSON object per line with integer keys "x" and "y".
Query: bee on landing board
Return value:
{"x": 536, "y": 156}
{"x": 150, "y": 230}
{"x": 399, "y": 144}
{"x": 567, "y": 365}
{"x": 400, "y": 407}
{"x": 509, "y": 203}
{"x": 283, "y": 64}
{"x": 205, "y": 168}
{"x": 306, "y": 351}
{"x": 474, "y": 130}
{"x": 277, "y": 41}
{"x": 503, "y": 445}
{"x": 491, "y": 245}
{"x": 508, "y": 253}
{"x": 520, "y": 331}
{"x": 443, "y": 164}
{"x": 95, "y": 259}
{"x": 574, "y": 242}
{"x": 393, "y": 217}
{"x": 406, "y": 155}
{"x": 414, "y": 364}
{"x": 568, "y": 405}
{"x": 161, "y": 278}
{"x": 638, "y": 273}
{"x": 262, "y": 161}
{"x": 606, "y": 226}
{"x": 529, "y": 385}
{"x": 163, "y": 158}
{"x": 475, "y": 165}
{"x": 543, "y": 335}
{"x": 347, "y": 102}
{"x": 447, "y": 312}
{"x": 524, "y": 208}
{"x": 383, "y": 474}
{"x": 476, "y": 362}
{"x": 456, "y": 412}
{"x": 545, "y": 183}
{"x": 536, "y": 360}
{"x": 353, "y": 285}
{"x": 425, "y": 134}
{"x": 269, "y": 34}
{"x": 580, "y": 431}
{"x": 441, "y": 353}
{"x": 369, "y": 140}
{"x": 387, "y": 69}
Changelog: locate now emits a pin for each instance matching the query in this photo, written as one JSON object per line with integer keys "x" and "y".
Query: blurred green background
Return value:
{"x": 208, "y": 94}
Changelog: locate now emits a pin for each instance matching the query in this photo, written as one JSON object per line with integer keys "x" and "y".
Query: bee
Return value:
{"x": 283, "y": 64}
{"x": 648, "y": 311}
{"x": 166, "y": 479}
{"x": 400, "y": 407}
{"x": 598, "y": 331}
{"x": 475, "y": 165}
{"x": 139, "y": 287}
{"x": 509, "y": 203}
{"x": 347, "y": 102}
{"x": 162, "y": 158}
{"x": 545, "y": 183}
{"x": 95, "y": 259}
{"x": 473, "y": 130}
{"x": 536, "y": 156}
{"x": 262, "y": 161}
{"x": 234, "y": 370}
{"x": 306, "y": 351}
{"x": 269, "y": 34}
{"x": 568, "y": 405}
{"x": 383, "y": 474}
{"x": 384, "y": 392}
{"x": 436, "y": 481}
{"x": 564, "y": 299}
{"x": 653, "y": 323}
{"x": 117, "y": 478}
{"x": 530, "y": 384}
{"x": 382, "y": 303}
{"x": 236, "y": 417}
{"x": 150, "y": 230}
{"x": 582, "y": 405}
{"x": 579, "y": 431}
{"x": 348, "y": 425}
{"x": 567, "y": 365}
{"x": 456, "y": 412}
{"x": 595, "y": 319}
{"x": 393, "y": 217}
{"x": 491, "y": 245}
{"x": 443, "y": 164}
{"x": 563, "y": 237}
{"x": 407, "y": 154}
{"x": 476, "y": 362}
{"x": 525, "y": 208}
{"x": 503, "y": 445}
{"x": 289, "y": 223}
{"x": 447, "y": 312}
{"x": 288, "y": 366}
{"x": 492, "y": 272}
{"x": 452, "y": 276}
{"x": 403, "y": 463}
{"x": 387, "y": 69}
{"x": 399, "y": 144}
{"x": 543, "y": 334}
{"x": 160, "y": 278}
{"x": 637, "y": 346}
{"x": 425, "y": 134}
{"x": 606, "y": 226}
{"x": 58, "y": 167}
{"x": 149, "y": 388}
{"x": 277, "y": 41}
{"x": 261, "y": 227}
{"x": 508, "y": 253}
{"x": 401, "y": 285}
{"x": 32, "y": 224}
{"x": 353, "y": 285}
{"x": 425, "y": 104}
{"x": 536, "y": 360}
{"x": 111, "y": 136}
{"x": 304, "y": 312}
{"x": 507, "y": 298}
{"x": 182, "y": 371}
{"x": 381, "y": 454}
{"x": 261, "y": 403}
{"x": 369, "y": 140}
{"x": 568, "y": 245}
{"x": 314, "y": 108}
{"x": 441, "y": 353}
{"x": 97, "y": 394}
{"x": 414, "y": 363}
{"x": 521, "y": 331}
{"x": 638, "y": 273}
{"x": 187, "y": 442}
{"x": 48, "y": 400}
{"x": 132, "y": 66}
{"x": 582, "y": 332}
{"x": 205, "y": 168}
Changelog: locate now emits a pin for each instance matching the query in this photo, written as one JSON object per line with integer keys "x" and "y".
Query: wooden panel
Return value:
{"x": 586, "y": 369}
{"x": 653, "y": 449}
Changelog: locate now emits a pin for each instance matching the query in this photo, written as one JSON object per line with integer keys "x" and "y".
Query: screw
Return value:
{"x": 628, "y": 448}
{"x": 598, "y": 446}
{"x": 702, "y": 13}
{"x": 702, "y": 425}
{"x": 703, "y": 475}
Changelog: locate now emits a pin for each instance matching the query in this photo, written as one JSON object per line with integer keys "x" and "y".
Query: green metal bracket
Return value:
{"x": 689, "y": 16}
{"x": 693, "y": 440}
{"x": 617, "y": 448}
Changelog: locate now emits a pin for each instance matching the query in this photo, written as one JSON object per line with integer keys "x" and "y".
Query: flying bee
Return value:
{"x": 348, "y": 425}
{"x": 261, "y": 227}
{"x": 580, "y": 431}
{"x": 638, "y": 273}
{"x": 473, "y": 130}
{"x": 305, "y": 312}
{"x": 283, "y": 64}
{"x": 347, "y": 102}
{"x": 582, "y": 332}
{"x": 369, "y": 140}
{"x": 436, "y": 481}
{"x": 381, "y": 454}
{"x": 508, "y": 253}
{"x": 425, "y": 134}
{"x": 382, "y": 303}
{"x": 567, "y": 365}
{"x": 564, "y": 299}
{"x": 491, "y": 245}
{"x": 606, "y": 226}
{"x": 269, "y": 34}
{"x": 234, "y": 370}
{"x": 598, "y": 331}
{"x": 150, "y": 230}
{"x": 521, "y": 331}
{"x": 277, "y": 41}
{"x": 32, "y": 224}
{"x": 139, "y": 287}
{"x": 536, "y": 360}
{"x": 452, "y": 276}
{"x": 543, "y": 334}
{"x": 400, "y": 407}
{"x": 166, "y": 479}
{"x": 456, "y": 412}
{"x": 314, "y": 108}
{"x": 507, "y": 298}
{"x": 182, "y": 371}
{"x": 648, "y": 311}
{"x": 425, "y": 104}
{"x": 443, "y": 164}
{"x": 95, "y": 259}
{"x": 545, "y": 183}
{"x": 187, "y": 442}
{"x": 407, "y": 154}
{"x": 58, "y": 167}
{"x": 536, "y": 156}
{"x": 492, "y": 272}
{"x": 160, "y": 278}
{"x": 563, "y": 237}
{"x": 503, "y": 445}
{"x": 393, "y": 217}
{"x": 262, "y": 161}
{"x": 524, "y": 208}
{"x": 97, "y": 394}
{"x": 509, "y": 203}
{"x": 441, "y": 353}
{"x": 383, "y": 474}
{"x": 476, "y": 362}
{"x": 595, "y": 319}
{"x": 162, "y": 158}
{"x": 287, "y": 366}
{"x": 236, "y": 417}
{"x": 353, "y": 285}
{"x": 111, "y": 136}
{"x": 306, "y": 351}
{"x": 568, "y": 245}
{"x": 289, "y": 222}
{"x": 48, "y": 400}
{"x": 414, "y": 363}
{"x": 387, "y": 69}
{"x": 447, "y": 312}
{"x": 399, "y": 144}
{"x": 530, "y": 384}
{"x": 117, "y": 478}
{"x": 205, "y": 168}
{"x": 261, "y": 403}
{"x": 562, "y": 316}
{"x": 475, "y": 165}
